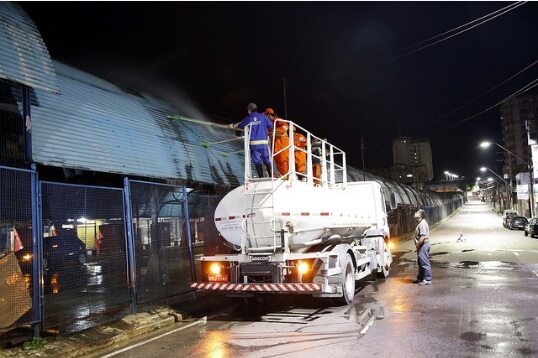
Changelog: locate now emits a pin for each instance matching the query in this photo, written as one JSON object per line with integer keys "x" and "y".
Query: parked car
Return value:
{"x": 531, "y": 229}
{"x": 507, "y": 216}
{"x": 61, "y": 251}
{"x": 518, "y": 222}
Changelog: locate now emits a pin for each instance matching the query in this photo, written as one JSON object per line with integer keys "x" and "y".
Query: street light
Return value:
{"x": 486, "y": 144}
{"x": 450, "y": 176}
{"x": 483, "y": 169}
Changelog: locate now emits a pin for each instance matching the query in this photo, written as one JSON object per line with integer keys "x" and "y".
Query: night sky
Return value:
{"x": 353, "y": 69}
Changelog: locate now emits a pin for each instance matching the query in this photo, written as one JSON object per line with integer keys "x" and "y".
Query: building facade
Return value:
{"x": 413, "y": 153}
{"x": 519, "y": 137}
{"x": 518, "y": 116}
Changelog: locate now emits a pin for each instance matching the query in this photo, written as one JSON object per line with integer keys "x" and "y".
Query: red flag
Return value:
{"x": 18, "y": 243}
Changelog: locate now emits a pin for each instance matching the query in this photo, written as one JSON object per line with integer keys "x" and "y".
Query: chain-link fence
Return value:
{"x": 16, "y": 247}
{"x": 84, "y": 253}
{"x": 171, "y": 225}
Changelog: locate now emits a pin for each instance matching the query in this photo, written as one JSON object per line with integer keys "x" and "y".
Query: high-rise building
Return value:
{"x": 518, "y": 120}
{"x": 410, "y": 152}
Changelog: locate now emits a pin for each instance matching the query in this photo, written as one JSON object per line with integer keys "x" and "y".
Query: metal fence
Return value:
{"x": 69, "y": 260}
{"x": 83, "y": 253}
{"x": 16, "y": 246}
{"x": 171, "y": 225}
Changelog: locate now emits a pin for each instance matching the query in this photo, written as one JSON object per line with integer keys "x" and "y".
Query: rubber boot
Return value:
{"x": 259, "y": 170}
{"x": 268, "y": 167}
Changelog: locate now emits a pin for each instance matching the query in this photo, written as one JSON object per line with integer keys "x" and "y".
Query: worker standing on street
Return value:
{"x": 260, "y": 125}
{"x": 281, "y": 140}
{"x": 422, "y": 243}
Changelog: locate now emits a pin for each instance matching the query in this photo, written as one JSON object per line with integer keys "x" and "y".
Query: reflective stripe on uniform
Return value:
{"x": 254, "y": 142}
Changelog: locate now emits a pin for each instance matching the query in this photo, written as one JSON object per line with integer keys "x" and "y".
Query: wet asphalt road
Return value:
{"x": 483, "y": 303}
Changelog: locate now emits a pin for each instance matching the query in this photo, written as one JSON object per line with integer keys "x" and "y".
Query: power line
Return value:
{"x": 480, "y": 96}
{"x": 447, "y": 35}
{"x": 525, "y": 88}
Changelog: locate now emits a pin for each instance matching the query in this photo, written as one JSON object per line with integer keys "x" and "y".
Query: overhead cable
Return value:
{"x": 482, "y": 95}
{"x": 441, "y": 38}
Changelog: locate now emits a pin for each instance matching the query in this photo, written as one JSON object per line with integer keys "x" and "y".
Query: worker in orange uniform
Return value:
{"x": 281, "y": 141}
{"x": 300, "y": 142}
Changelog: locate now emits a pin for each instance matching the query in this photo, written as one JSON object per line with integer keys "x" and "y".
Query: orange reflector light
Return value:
{"x": 302, "y": 267}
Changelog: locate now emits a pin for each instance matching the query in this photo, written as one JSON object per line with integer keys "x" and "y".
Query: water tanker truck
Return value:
{"x": 300, "y": 234}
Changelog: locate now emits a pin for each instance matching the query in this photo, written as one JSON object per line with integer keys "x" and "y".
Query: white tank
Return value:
{"x": 311, "y": 214}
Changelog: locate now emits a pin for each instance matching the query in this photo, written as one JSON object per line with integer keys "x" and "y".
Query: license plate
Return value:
{"x": 260, "y": 258}
{"x": 218, "y": 278}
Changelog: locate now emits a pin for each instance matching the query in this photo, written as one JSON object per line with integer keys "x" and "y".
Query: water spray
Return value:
{"x": 235, "y": 152}
{"x": 199, "y": 121}
{"x": 207, "y": 144}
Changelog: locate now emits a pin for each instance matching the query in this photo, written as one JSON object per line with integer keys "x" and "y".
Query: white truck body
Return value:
{"x": 292, "y": 236}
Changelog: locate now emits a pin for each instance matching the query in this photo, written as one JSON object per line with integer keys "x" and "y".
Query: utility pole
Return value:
{"x": 510, "y": 206}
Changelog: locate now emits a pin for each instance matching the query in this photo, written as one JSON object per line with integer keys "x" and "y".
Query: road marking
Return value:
{"x": 201, "y": 320}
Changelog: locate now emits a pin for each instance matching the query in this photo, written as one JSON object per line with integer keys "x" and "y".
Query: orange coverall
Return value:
{"x": 300, "y": 156}
{"x": 282, "y": 140}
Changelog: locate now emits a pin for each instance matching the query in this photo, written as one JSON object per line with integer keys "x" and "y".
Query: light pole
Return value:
{"x": 531, "y": 196}
{"x": 483, "y": 169}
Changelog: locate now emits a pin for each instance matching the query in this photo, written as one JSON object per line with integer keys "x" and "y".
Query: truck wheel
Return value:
{"x": 348, "y": 282}
{"x": 384, "y": 273}
{"x": 385, "y": 268}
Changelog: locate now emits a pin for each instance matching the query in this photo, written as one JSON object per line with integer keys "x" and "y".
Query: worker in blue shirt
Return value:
{"x": 260, "y": 125}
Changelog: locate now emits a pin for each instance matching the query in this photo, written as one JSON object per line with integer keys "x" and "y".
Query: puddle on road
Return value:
{"x": 498, "y": 265}
{"x": 472, "y": 336}
{"x": 466, "y": 264}
{"x": 364, "y": 317}
{"x": 364, "y": 313}
{"x": 438, "y": 253}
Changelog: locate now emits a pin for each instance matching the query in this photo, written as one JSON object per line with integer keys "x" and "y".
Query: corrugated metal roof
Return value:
{"x": 94, "y": 125}
{"x": 24, "y": 58}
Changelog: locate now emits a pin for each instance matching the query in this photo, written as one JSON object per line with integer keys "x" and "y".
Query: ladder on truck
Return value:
{"x": 262, "y": 233}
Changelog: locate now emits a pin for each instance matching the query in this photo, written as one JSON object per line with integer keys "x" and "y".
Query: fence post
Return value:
{"x": 187, "y": 220}
{"x": 37, "y": 250}
{"x": 131, "y": 258}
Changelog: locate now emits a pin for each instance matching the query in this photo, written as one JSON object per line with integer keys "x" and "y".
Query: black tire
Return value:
{"x": 385, "y": 268}
{"x": 385, "y": 271}
{"x": 348, "y": 282}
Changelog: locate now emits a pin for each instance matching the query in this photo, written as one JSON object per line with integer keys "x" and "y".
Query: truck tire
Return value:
{"x": 385, "y": 267}
{"x": 348, "y": 282}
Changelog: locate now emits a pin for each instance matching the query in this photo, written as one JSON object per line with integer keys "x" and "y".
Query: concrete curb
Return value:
{"x": 101, "y": 337}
